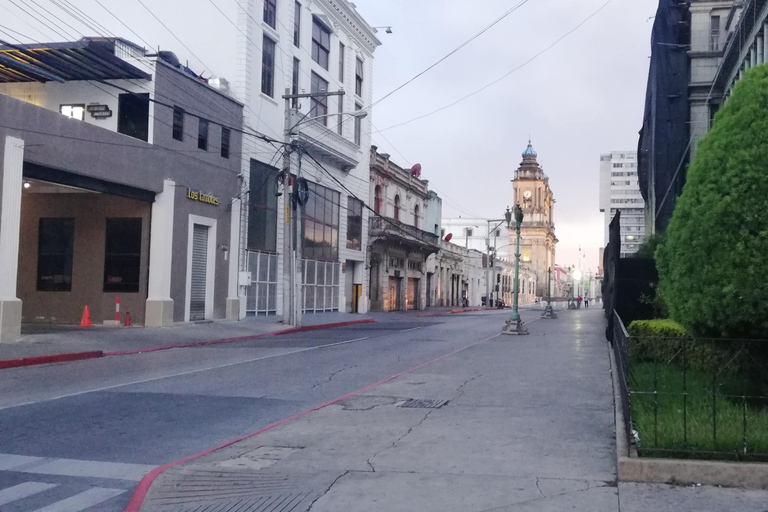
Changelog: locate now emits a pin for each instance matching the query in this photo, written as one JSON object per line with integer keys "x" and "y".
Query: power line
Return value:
{"x": 545, "y": 50}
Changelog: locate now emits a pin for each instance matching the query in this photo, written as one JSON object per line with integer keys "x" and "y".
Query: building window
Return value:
{"x": 416, "y": 216}
{"x": 498, "y": 232}
{"x": 262, "y": 208}
{"x": 321, "y": 224}
{"x": 73, "y": 111}
{"x": 341, "y": 62}
{"x": 178, "y": 123}
{"x": 526, "y": 254}
{"x": 397, "y": 207}
{"x": 354, "y": 223}
{"x": 468, "y": 232}
{"x": 226, "y": 135}
{"x": 268, "y": 67}
{"x": 55, "y": 249}
{"x": 133, "y": 115}
{"x": 319, "y": 104}
{"x": 714, "y": 34}
{"x": 295, "y": 82}
{"x": 122, "y": 255}
{"x": 358, "y": 125}
{"x": 359, "y": 78}
{"x": 297, "y": 25}
{"x": 270, "y": 13}
{"x": 202, "y": 135}
{"x": 321, "y": 43}
{"x": 377, "y": 200}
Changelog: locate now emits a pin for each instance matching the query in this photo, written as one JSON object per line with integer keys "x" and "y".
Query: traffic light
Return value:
{"x": 498, "y": 278}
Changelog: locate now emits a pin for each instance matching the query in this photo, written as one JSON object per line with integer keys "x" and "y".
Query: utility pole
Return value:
{"x": 491, "y": 283}
{"x": 294, "y": 204}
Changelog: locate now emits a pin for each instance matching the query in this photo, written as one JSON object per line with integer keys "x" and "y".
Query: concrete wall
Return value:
{"x": 90, "y": 212}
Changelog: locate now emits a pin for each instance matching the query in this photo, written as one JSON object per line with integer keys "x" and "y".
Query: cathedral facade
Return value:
{"x": 537, "y": 239}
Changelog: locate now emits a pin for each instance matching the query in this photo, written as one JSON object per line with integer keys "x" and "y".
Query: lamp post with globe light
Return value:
{"x": 548, "y": 311}
{"x": 514, "y": 325}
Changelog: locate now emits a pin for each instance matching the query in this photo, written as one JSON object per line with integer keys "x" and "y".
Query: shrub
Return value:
{"x": 711, "y": 266}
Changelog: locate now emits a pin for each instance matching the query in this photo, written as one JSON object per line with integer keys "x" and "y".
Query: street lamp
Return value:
{"x": 548, "y": 311}
{"x": 514, "y": 326}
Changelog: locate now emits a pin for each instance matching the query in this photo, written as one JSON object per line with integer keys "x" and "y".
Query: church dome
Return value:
{"x": 529, "y": 151}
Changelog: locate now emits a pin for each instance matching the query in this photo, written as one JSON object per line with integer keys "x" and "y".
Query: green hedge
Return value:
{"x": 712, "y": 263}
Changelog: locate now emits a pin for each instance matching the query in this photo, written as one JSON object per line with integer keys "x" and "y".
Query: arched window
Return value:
{"x": 397, "y": 207}
{"x": 416, "y": 216}
{"x": 377, "y": 199}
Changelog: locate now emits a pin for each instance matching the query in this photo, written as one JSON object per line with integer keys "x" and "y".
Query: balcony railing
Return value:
{"x": 328, "y": 145}
{"x": 395, "y": 231}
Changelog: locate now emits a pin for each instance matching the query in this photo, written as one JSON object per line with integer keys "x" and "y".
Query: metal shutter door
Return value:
{"x": 199, "y": 271}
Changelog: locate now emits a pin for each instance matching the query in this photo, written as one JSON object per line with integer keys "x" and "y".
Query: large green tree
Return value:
{"x": 714, "y": 263}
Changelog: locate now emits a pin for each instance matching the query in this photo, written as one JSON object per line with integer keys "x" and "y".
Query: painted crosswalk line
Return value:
{"x": 21, "y": 491}
{"x": 82, "y": 501}
{"x": 73, "y": 467}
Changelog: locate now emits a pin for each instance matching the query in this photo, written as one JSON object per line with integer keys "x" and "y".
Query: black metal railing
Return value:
{"x": 386, "y": 227}
{"x": 694, "y": 397}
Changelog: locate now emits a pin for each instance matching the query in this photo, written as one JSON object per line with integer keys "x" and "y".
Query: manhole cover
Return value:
{"x": 424, "y": 403}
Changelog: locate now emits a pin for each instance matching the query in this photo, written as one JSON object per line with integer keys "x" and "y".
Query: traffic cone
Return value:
{"x": 127, "y": 320}
{"x": 86, "y": 321}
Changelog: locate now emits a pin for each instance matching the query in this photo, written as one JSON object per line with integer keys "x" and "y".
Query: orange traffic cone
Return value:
{"x": 127, "y": 320}
{"x": 86, "y": 321}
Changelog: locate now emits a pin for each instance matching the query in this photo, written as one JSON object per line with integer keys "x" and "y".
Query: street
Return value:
{"x": 528, "y": 425}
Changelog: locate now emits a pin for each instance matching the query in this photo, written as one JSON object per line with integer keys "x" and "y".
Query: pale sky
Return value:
{"x": 581, "y": 98}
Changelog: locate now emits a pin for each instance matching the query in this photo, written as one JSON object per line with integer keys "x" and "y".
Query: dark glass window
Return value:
{"x": 122, "y": 255}
{"x": 270, "y": 13}
{"x": 268, "y": 67}
{"x": 55, "y": 248}
{"x": 320, "y": 226}
{"x": 378, "y": 200}
{"x": 202, "y": 135}
{"x": 295, "y": 82}
{"x": 262, "y": 217}
{"x": 341, "y": 62}
{"x": 397, "y": 207}
{"x": 226, "y": 135}
{"x": 297, "y": 25}
{"x": 354, "y": 223}
{"x": 321, "y": 43}
{"x": 358, "y": 125}
{"x": 319, "y": 105}
{"x": 178, "y": 123}
{"x": 133, "y": 115}
{"x": 359, "y": 78}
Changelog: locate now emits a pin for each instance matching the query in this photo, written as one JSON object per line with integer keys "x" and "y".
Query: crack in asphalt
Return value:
{"x": 394, "y": 443}
{"x": 373, "y": 470}
{"x": 539, "y": 488}
{"x": 328, "y": 489}
{"x": 333, "y": 374}
{"x": 460, "y": 389}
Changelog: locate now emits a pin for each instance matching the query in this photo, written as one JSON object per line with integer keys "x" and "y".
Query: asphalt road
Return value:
{"x": 78, "y": 436}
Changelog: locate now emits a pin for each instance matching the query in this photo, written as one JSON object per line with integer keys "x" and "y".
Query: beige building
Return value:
{"x": 538, "y": 240}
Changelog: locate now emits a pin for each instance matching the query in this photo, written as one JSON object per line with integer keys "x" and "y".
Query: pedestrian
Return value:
{"x": 586, "y": 302}
{"x": 578, "y": 300}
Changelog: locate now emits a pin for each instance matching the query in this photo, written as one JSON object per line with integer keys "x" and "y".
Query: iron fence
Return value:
{"x": 697, "y": 398}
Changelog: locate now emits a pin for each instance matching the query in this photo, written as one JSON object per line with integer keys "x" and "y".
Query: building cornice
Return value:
{"x": 345, "y": 14}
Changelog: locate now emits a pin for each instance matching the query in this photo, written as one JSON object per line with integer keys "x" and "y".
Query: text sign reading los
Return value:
{"x": 202, "y": 197}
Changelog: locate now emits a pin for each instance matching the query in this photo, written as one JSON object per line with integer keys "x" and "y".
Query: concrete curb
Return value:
{"x": 49, "y": 359}
{"x": 79, "y": 356}
{"x": 456, "y": 312}
{"x": 631, "y": 468}
{"x": 137, "y": 500}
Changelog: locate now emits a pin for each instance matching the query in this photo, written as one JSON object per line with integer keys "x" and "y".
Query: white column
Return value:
{"x": 753, "y": 56}
{"x": 760, "y": 49}
{"x": 12, "y": 151}
{"x": 159, "y": 312}
{"x": 233, "y": 299}
{"x": 764, "y": 39}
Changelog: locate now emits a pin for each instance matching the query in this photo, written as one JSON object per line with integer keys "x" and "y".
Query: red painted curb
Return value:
{"x": 49, "y": 359}
{"x": 77, "y": 356}
{"x": 134, "y": 505}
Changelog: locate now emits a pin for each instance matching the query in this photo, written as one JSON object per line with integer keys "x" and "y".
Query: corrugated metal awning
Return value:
{"x": 86, "y": 59}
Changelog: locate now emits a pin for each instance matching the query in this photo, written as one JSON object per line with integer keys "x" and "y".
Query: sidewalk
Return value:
{"x": 528, "y": 426}
{"x": 45, "y": 340}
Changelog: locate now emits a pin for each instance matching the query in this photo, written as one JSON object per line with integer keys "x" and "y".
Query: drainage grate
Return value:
{"x": 424, "y": 403}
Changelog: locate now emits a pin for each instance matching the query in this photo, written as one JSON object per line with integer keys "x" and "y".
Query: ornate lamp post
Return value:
{"x": 514, "y": 325}
{"x": 548, "y": 311}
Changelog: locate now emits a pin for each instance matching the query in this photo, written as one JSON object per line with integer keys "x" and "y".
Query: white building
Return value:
{"x": 321, "y": 46}
{"x": 620, "y": 191}
{"x": 479, "y": 234}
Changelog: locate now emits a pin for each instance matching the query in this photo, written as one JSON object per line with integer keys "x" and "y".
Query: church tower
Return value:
{"x": 537, "y": 232}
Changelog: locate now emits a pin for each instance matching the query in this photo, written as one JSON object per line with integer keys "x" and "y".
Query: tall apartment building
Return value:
{"x": 313, "y": 47}
{"x": 620, "y": 191}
